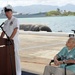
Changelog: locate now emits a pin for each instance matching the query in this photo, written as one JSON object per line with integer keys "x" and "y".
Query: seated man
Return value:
{"x": 68, "y": 56}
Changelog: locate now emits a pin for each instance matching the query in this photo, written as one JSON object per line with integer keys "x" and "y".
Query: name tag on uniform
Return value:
{"x": 11, "y": 23}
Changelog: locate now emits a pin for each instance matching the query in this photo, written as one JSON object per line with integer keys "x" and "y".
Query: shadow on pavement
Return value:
{"x": 27, "y": 73}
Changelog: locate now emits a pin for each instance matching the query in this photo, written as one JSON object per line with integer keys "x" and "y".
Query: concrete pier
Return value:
{"x": 37, "y": 49}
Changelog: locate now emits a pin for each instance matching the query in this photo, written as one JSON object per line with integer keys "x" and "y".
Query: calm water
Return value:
{"x": 65, "y": 24}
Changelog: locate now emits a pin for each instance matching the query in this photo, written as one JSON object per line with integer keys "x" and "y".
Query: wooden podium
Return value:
{"x": 7, "y": 57}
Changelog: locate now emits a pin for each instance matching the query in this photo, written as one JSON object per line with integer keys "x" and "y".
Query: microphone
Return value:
{"x": 1, "y": 24}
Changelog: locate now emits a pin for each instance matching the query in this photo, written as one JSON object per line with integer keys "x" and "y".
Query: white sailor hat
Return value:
{"x": 8, "y": 8}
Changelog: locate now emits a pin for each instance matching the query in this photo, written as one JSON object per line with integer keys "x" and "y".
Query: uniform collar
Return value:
{"x": 71, "y": 49}
{"x": 11, "y": 18}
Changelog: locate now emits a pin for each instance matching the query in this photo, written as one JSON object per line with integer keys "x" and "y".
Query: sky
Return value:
{"x": 3, "y": 3}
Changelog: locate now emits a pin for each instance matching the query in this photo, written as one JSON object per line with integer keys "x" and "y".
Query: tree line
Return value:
{"x": 59, "y": 12}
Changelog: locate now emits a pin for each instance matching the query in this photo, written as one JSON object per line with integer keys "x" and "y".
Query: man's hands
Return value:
{"x": 56, "y": 62}
{"x": 69, "y": 61}
{"x": 2, "y": 35}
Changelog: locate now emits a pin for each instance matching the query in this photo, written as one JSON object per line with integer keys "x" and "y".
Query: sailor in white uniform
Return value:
{"x": 11, "y": 27}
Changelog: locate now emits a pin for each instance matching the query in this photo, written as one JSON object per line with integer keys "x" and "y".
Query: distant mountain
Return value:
{"x": 69, "y": 7}
{"x": 35, "y": 8}
{"x": 42, "y": 8}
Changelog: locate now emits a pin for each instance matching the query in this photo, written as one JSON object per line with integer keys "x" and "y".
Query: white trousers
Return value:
{"x": 17, "y": 59}
{"x": 51, "y": 70}
{"x": 17, "y": 62}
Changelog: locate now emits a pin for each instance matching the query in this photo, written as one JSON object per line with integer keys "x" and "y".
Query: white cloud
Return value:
{"x": 31, "y": 2}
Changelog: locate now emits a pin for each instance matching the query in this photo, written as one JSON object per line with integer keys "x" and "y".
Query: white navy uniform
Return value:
{"x": 9, "y": 27}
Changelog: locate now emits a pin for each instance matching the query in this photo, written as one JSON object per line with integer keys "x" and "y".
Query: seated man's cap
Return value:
{"x": 8, "y": 8}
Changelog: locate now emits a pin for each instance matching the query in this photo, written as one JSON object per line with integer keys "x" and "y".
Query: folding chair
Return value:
{"x": 72, "y": 35}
